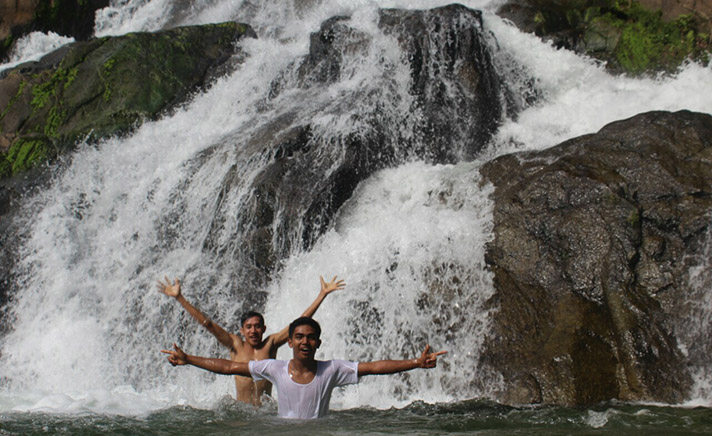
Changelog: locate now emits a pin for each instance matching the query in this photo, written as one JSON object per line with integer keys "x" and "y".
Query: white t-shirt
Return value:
{"x": 305, "y": 401}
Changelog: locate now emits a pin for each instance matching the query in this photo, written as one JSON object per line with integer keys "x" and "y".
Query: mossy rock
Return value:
{"x": 627, "y": 37}
{"x": 601, "y": 36}
{"x": 106, "y": 86}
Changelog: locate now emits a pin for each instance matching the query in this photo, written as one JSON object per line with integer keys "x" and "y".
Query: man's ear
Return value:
{"x": 289, "y": 342}
{"x": 318, "y": 343}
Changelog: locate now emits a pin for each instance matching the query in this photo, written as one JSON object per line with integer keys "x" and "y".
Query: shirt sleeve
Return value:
{"x": 346, "y": 372}
{"x": 259, "y": 369}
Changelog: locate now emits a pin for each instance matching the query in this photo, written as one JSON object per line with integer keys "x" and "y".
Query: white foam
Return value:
{"x": 33, "y": 46}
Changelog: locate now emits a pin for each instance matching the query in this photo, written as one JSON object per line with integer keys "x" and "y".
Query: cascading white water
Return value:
{"x": 411, "y": 246}
{"x": 88, "y": 323}
{"x": 694, "y": 330}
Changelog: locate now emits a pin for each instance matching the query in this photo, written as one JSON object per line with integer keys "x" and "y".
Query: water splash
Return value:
{"x": 33, "y": 46}
{"x": 693, "y": 330}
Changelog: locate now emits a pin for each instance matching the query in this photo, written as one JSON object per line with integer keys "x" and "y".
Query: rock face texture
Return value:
{"x": 104, "y": 86}
{"x": 593, "y": 242}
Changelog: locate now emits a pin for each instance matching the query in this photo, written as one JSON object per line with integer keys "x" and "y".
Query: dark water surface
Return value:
{"x": 468, "y": 417}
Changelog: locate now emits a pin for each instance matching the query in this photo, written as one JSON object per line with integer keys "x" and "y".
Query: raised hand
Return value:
{"x": 177, "y": 356}
{"x": 172, "y": 290}
{"x": 429, "y": 360}
{"x": 332, "y": 286}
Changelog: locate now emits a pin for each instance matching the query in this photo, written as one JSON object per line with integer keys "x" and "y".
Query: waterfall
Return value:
{"x": 87, "y": 322}
{"x": 694, "y": 330}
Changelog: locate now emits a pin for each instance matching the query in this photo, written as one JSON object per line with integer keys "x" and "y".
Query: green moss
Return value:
{"x": 23, "y": 155}
{"x": 41, "y": 94}
{"x": 634, "y": 219}
{"x": 48, "y": 94}
{"x": 55, "y": 118}
{"x": 71, "y": 76}
{"x": 44, "y": 92}
{"x": 647, "y": 43}
{"x": 108, "y": 65}
{"x": 107, "y": 93}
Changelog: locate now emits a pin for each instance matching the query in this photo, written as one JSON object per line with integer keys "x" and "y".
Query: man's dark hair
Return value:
{"x": 305, "y": 320}
{"x": 251, "y": 314}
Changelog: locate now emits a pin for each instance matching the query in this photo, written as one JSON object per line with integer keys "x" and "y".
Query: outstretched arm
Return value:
{"x": 280, "y": 337}
{"x": 426, "y": 360}
{"x": 218, "y": 366}
{"x": 173, "y": 290}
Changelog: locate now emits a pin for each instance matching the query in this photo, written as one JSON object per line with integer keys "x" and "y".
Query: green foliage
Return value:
{"x": 648, "y": 43}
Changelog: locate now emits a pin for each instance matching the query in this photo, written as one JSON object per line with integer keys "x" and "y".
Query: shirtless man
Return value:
{"x": 251, "y": 346}
{"x": 304, "y": 384}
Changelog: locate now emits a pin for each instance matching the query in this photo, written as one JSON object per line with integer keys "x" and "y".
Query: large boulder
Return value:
{"x": 104, "y": 86}
{"x": 593, "y": 242}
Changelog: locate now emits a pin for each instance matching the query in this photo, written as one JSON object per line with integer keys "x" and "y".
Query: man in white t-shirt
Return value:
{"x": 303, "y": 383}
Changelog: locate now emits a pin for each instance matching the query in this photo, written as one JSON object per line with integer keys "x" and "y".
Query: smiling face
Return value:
{"x": 252, "y": 329}
{"x": 304, "y": 342}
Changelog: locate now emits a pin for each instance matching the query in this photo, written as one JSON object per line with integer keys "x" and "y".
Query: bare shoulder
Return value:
{"x": 270, "y": 346}
{"x": 237, "y": 342}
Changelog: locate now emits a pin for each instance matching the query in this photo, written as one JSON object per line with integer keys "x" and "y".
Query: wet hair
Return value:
{"x": 251, "y": 314}
{"x": 304, "y": 320}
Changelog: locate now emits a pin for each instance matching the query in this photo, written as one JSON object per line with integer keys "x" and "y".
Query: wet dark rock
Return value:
{"x": 103, "y": 87}
{"x": 308, "y": 177}
{"x": 593, "y": 242}
{"x": 70, "y": 18}
{"x": 453, "y": 77}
